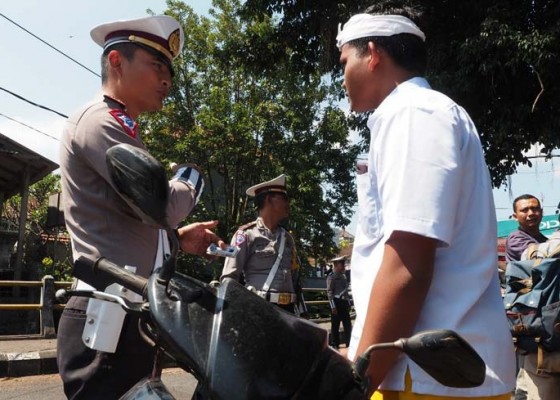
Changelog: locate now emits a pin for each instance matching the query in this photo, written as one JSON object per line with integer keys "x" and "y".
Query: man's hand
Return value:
{"x": 196, "y": 237}
{"x": 334, "y": 312}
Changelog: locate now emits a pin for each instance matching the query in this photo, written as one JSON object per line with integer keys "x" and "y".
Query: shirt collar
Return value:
{"x": 402, "y": 87}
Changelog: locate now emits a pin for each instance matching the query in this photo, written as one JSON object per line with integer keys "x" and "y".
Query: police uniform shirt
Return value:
{"x": 337, "y": 286}
{"x": 99, "y": 221}
{"x": 258, "y": 252}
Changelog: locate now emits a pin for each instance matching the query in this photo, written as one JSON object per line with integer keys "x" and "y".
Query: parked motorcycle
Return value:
{"x": 236, "y": 344}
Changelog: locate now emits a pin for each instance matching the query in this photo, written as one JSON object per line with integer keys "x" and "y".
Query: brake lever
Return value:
{"x": 62, "y": 295}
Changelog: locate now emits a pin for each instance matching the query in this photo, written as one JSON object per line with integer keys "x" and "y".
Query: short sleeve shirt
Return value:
{"x": 427, "y": 175}
{"x": 99, "y": 221}
{"x": 259, "y": 248}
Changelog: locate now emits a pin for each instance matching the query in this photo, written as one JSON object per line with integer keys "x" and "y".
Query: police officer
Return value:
{"x": 339, "y": 300}
{"x": 136, "y": 77}
{"x": 267, "y": 259}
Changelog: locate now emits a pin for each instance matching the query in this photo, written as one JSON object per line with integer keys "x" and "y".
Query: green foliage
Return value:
{"x": 242, "y": 126}
{"x": 59, "y": 270}
{"x": 41, "y": 257}
{"x": 498, "y": 59}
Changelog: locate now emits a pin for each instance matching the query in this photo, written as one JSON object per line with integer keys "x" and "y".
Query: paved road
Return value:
{"x": 49, "y": 387}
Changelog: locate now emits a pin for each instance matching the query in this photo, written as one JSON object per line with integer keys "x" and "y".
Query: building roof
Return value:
{"x": 14, "y": 157}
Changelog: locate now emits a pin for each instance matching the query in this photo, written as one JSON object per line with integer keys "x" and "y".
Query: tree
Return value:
{"x": 38, "y": 258}
{"x": 499, "y": 59}
{"x": 243, "y": 126}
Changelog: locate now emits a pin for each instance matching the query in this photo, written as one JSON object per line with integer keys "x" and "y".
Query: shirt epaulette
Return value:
{"x": 249, "y": 225}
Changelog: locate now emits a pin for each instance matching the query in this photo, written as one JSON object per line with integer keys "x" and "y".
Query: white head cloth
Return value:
{"x": 367, "y": 25}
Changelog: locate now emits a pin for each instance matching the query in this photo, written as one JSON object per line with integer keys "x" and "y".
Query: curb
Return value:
{"x": 24, "y": 364}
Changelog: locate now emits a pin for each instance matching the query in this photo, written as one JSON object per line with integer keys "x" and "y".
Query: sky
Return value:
{"x": 40, "y": 74}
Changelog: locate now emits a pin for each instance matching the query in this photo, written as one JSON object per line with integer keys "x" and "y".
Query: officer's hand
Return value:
{"x": 196, "y": 237}
{"x": 334, "y": 311}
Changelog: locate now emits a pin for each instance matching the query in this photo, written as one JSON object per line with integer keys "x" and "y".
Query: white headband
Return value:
{"x": 367, "y": 25}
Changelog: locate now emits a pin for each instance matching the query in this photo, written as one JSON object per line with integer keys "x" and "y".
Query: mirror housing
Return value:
{"x": 443, "y": 354}
{"x": 141, "y": 180}
{"x": 446, "y": 357}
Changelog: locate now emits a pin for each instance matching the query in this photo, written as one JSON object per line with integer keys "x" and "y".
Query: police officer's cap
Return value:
{"x": 160, "y": 34}
{"x": 337, "y": 259}
{"x": 276, "y": 185}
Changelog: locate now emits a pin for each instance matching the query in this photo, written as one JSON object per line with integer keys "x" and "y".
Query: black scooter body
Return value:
{"x": 240, "y": 346}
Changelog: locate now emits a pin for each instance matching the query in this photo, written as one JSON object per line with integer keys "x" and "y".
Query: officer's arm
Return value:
{"x": 233, "y": 266}
{"x": 330, "y": 292}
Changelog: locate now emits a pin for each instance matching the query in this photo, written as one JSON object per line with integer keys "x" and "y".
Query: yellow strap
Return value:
{"x": 540, "y": 356}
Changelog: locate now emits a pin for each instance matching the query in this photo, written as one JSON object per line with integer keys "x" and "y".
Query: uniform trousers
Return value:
{"x": 90, "y": 374}
{"x": 342, "y": 315}
{"x": 533, "y": 386}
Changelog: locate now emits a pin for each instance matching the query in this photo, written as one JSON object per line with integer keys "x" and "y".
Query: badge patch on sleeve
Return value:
{"x": 240, "y": 238}
{"x": 130, "y": 127}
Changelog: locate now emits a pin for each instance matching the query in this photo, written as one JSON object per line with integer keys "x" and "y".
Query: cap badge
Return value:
{"x": 174, "y": 42}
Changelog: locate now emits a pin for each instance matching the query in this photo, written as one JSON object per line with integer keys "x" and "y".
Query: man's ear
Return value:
{"x": 514, "y": 216}
{"x": 114, "y": 58}
{"x": 374, "y": 54}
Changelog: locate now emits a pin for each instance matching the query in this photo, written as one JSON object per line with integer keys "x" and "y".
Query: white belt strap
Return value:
{"x": 163, "y": 249}
{"x": 274, "y": 268}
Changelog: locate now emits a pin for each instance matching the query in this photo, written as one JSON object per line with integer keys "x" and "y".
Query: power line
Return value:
{"x": 51, "y": 46}
{"x": 28, "y": 126}
{"x": 32, "y": 103}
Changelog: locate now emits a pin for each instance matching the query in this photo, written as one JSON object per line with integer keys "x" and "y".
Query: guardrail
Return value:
{"x": 47, "y": 305}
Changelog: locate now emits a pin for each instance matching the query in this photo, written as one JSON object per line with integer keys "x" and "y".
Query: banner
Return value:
{"x": 549, "y": 225}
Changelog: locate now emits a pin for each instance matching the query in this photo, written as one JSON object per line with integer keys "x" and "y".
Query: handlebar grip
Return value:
{"x": 103, "y": 273}
{"x": 120, "y": 275}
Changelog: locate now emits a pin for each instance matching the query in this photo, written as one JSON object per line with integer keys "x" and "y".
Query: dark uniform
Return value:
{"x": 258, "y": 252}
{"x": 339, "y": 300}
{"x": 101, "y": 223}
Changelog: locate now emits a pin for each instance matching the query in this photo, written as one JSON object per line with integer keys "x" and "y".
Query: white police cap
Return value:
{"x": 161, "y": 33}
{"x": 277, "y": 185}
{"x": 341, "y": 258}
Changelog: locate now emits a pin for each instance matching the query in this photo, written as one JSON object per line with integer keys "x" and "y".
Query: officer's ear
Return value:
{"x": 115, "y": 59}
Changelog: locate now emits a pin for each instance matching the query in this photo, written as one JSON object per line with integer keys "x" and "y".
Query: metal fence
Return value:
{"x": 47, "y": 302}
{"x": 46, "y": 305}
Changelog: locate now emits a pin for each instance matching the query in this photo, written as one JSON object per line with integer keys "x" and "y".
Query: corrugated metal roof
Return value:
{"x": 14, "y": 157}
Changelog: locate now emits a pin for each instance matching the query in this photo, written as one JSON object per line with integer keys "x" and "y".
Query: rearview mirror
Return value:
{"x": 443, "y": 354}
{"x": 446, "y": 356}
{"x": 141, "y": 180}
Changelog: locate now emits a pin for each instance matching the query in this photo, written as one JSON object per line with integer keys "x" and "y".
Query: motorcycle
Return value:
{"x": 236, "y": 344}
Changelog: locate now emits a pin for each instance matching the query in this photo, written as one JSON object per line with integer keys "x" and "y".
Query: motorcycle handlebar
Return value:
{"x": 103, "y": 273}
{"x": 120, "y": 275}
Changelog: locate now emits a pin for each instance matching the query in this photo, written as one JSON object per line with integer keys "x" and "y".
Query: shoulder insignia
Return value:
{"x": 240, "y": 235}
{"x": 240, "y": 238}
{"x": 128, "y": 124}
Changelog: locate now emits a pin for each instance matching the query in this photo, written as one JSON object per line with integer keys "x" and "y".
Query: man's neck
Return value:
{"x": 270, "y": 221}
{"x": 534, "y": 232}
{"x": 113, "y": 91}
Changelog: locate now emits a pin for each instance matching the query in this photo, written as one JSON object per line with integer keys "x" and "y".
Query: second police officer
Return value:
{"x": 267, "y": 260}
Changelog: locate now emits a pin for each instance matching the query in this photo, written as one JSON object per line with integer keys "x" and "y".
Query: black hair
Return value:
{"x": 260, "y": 200}
{"x": 524, "y": 197}
{"x": 127, "y": 49}
{"x": 407, "y": 50}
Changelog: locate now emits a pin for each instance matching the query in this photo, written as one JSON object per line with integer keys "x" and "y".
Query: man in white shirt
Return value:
{"x": 425, "y": 249}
